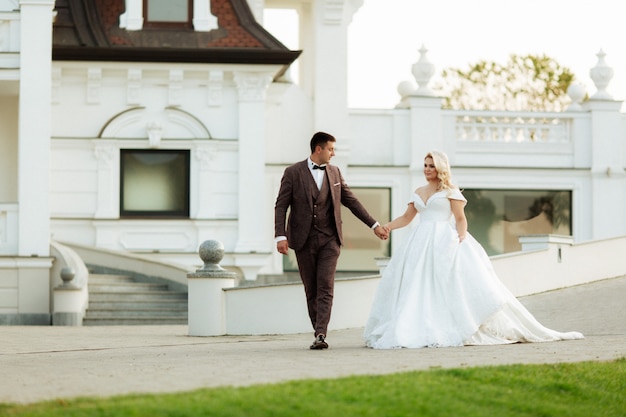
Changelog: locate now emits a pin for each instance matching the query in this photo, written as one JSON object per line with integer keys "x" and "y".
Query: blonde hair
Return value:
{"x": 442, "y": 166}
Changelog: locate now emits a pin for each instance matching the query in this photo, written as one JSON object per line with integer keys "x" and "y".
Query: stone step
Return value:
{"x": 159, "y": 304}
{"x": 100, "y": 278}
{"x": 133, "y": 321}
{"x": 137, "y": 314}
{"x": 122, "y": 300}
{"x": 126, "y": 287}
{"x": 137, "y": 296}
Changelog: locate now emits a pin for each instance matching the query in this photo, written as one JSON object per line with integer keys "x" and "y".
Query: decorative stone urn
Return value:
{"x": 601, "y": 75}
{"x": 423, "y": 70}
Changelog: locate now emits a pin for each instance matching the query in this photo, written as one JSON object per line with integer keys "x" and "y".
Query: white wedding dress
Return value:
{"x": 437, "y": 292}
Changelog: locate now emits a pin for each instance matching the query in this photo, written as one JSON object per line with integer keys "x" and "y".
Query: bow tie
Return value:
{"x": 323, "y": 168}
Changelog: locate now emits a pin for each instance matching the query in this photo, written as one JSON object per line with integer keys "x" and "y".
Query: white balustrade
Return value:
{"x": 501, "y": 127}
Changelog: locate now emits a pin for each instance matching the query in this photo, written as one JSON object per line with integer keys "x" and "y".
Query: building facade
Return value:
{"x": 150, "y": 127}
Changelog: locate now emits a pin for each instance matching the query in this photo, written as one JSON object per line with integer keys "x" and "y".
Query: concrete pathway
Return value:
{"x": 42, "y": 363}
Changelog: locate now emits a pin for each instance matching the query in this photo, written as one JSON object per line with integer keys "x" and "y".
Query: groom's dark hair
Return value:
{"x": 320, "y": 139}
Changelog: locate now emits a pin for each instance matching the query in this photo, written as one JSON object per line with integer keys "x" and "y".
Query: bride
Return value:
{"x": 440, "y": 288}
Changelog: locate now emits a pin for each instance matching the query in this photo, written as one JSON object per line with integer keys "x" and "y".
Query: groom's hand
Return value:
{"x": 282, "y": 247}
{"x": 381, "y": 232}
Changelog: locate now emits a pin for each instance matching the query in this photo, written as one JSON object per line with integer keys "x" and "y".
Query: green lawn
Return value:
{"x": 587, "y": 389}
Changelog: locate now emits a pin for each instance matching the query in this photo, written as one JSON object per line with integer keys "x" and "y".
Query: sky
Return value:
{"x": 385, "y": 36}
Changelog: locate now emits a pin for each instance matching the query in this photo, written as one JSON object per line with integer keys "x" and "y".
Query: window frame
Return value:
{"x": 157, "y": 214}
{"x": 483, "y": 233}
{"x": 155, "y": 24}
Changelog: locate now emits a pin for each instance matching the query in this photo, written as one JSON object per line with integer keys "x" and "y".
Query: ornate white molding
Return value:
{"x": 155, "y": 131}
{"x": 121, "y": 123}
{"x": 191, "y": 124}
{"x": 215, "y": 88}
{"x": 55, "y": 93}
{"x": 333, "y": 12}
{"x": 133, "y": 87}
{"x": 175, "y": 93}
{"x": 252, "y": 86}
{"x": 171, "y": 122}
{"x": 205, "y": 155}
{"x": 337, "y": 12}
{"x": 94, "y": 84}
{"x": 105, "y": 154}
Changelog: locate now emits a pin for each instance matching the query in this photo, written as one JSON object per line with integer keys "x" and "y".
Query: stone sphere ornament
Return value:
{"x": 67, "y": 276}
{"x": 211, "y": 252}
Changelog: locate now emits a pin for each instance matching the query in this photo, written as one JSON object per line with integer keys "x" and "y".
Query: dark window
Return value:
{"x": 154, "y": 183}
{"x": 167, "y": 13}
{"x": 497, "y": 218}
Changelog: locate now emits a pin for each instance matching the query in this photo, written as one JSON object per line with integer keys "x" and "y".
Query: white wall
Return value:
{"x": 100, "y": 108}
{"x": 282, "y": 308}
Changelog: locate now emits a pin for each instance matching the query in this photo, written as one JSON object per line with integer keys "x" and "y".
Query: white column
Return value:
{"x": 253, "y": 231}
{"x": 34, "y": 127}
{"x": 608, "y": 179}
{"x": 330, "y": 63}
{"x": 426, "y": 131}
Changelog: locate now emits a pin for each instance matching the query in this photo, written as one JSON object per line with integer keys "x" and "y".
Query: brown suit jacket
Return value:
{"x": 296, "y": 194}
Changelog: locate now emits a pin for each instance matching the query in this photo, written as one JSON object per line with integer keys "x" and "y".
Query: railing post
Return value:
{"x": 68, "y": 301}
{"x": 206, "y": 309}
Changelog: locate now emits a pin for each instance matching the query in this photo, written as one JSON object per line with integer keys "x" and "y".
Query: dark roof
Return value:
{"x": 88, "y": 30}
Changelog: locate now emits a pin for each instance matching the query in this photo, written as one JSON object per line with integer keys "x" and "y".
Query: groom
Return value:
{"x": 315, "y": 191}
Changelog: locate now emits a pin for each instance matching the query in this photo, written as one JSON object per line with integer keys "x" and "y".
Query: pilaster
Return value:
{"x": 330, "y": 48}
{"x": 108, "y": 168}
{"x": 252, "y": 88}
{"x": 426, "y": 134}
{"x": 34, "y": 127}
{"x": 608, "y": 178}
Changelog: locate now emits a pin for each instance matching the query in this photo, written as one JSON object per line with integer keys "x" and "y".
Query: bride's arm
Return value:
{"x": 403, "y": 220}
{"x": 459, "y": 216}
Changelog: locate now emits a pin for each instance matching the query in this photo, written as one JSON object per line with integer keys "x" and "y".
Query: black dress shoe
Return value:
{"x": 319, "y": 342}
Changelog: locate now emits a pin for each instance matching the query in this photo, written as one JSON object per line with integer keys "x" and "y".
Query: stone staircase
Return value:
{"x": 122, "y": 300}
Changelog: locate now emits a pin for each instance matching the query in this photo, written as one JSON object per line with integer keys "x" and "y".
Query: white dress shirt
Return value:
{"x": 318, "y": 174}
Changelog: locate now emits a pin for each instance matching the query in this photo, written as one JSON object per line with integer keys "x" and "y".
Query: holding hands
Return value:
{"x": 382, "y": 232}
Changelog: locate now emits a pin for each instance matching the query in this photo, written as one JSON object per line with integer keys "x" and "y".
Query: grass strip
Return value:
{"x": 569, "y": 389}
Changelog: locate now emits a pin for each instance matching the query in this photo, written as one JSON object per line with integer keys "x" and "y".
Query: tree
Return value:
{"x": 524, "y": 83}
